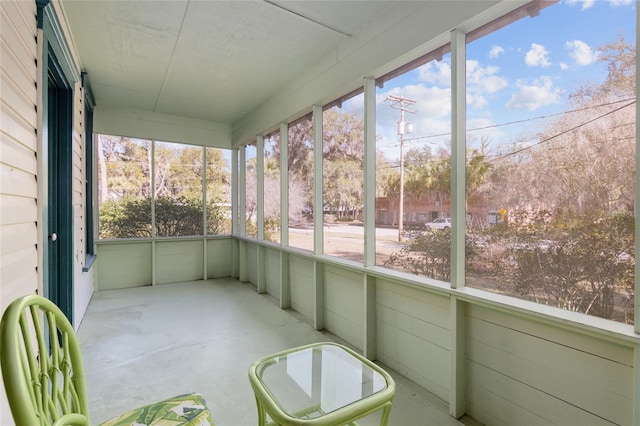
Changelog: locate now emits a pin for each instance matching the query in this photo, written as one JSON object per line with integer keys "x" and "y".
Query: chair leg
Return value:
{"x": 262, "y": 415}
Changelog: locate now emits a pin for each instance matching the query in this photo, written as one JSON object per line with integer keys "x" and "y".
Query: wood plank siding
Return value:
{"x": 18, "y": 158}
{"x": 526, "y": 367}
{"x": 23, "y": 169}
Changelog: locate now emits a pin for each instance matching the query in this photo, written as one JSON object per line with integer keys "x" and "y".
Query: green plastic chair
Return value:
{"x": 44, "y": 377}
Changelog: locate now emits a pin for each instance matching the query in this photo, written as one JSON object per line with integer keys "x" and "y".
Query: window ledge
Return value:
{"x": 88, "y": 262}
{"x": 550, "y": 314}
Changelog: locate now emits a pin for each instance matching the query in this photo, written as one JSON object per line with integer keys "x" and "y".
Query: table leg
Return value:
{"x": 384, "y": 418}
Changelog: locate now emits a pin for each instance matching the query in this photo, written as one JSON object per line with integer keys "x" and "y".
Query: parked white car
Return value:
{"x": 440, "y": 223}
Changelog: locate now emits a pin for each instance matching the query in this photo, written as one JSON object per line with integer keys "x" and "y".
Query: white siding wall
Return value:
{"x": 83, "y": 281}
{"x": 131, "y": 263}
{"x": 252, "y": 263}
{"x": 301, "y": 279}
{"x": 18, "y": 153}
{"x": 413, "y": 334}
{"x": 179, "y": 261}
{"x": 521, "y": 371}
{"x": 18, "y": 158}
{"x": 124, "y": 265}
{"x": 344, "y": 304}
{"x": 219, "y": 259}
{"x": 272, "y": 271}
{"x": 19, "y": 169}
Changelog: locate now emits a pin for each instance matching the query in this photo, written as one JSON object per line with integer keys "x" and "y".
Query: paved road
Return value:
{"x": 346, "y": 241}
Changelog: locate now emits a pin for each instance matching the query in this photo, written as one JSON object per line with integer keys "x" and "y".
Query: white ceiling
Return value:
{"x": 209, "y": 60}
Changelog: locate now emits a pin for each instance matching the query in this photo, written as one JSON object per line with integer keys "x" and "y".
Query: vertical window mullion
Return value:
{"x": 369, "y": 172}
{"x": 636, "y": 301}
{"x": 235, "y": 193}
{"x": 205, "y": 228}
{"x": 284, "y": 184}
{"x": 242, "y": 199}
{"x": 260, "y": 187}
{"x": 153, "y": 189}
{"x": 318, "y": 210}
{"x": 458, "y": 157}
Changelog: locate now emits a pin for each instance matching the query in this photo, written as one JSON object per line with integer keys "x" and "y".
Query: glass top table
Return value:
{"x": 320, "y": 384}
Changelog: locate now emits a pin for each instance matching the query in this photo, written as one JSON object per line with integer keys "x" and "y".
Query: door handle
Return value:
{"x": 53, "y": 236}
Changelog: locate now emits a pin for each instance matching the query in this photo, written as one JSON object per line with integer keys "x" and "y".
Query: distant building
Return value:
{"x": 480, "y": 212}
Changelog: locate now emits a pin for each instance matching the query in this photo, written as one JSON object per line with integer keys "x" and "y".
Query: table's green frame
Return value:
{"x": 346, "y": 415}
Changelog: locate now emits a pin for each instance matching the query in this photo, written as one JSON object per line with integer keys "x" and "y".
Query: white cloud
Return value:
{"x": 537, "y": 56}
{"x": 532, "y": 97}
{"x": 433, "y": 102}
{"x": 581, "y": 52}
{"x": 495, "y": 51}
{"x": 586, "y": 4}
{"x": 564, "y": 66}
{"x": 484, "y": 79}
{"x": 436, "y": 73}
{"x": 476, "y": 101}
{"x": 433, "y": 110}
{"x": 616, "y": 3}
{"x": 426, "y": 126}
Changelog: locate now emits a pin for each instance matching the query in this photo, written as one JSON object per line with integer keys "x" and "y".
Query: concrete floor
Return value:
{"x": 145, "y": 344}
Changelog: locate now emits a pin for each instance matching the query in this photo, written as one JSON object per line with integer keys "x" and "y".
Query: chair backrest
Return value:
{"x": 42, "y": 365}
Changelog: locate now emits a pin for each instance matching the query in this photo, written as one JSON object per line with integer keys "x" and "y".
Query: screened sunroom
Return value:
{"x": 447, "y": 187}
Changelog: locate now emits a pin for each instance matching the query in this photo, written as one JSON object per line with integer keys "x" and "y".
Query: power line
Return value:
{"x": 565, "y": 131}
{"x": 492, "y": 126}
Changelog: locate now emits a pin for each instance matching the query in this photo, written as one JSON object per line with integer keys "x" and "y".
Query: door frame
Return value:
{"x": 56, "y": 159}
{"x": 58, "y": 118}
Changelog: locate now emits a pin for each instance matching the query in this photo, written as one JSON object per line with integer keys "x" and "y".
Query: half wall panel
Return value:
{"x": 252, "y": 263}
{"x": 272, "y": 271}
{"x": 344, "y": 304}
{"x": 413, "y": 334}
{"x": 179, "y": 261}
{"x": 301, "y": 281}
{"x": 518, "y": 366}
{"x": 219, "y": 252}
{"x": 124, "y": 265}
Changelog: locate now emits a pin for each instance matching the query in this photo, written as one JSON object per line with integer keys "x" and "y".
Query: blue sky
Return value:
{"x": 523, "y": 71}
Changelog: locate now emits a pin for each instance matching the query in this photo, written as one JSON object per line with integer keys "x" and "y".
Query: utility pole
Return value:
{"x": 400, "y": 103}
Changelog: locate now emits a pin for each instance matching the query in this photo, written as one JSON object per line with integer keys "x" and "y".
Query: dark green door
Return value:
{"x": 58, "y": 124}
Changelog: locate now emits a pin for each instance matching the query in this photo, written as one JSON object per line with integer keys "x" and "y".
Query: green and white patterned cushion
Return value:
{"x": 184, "y": 410}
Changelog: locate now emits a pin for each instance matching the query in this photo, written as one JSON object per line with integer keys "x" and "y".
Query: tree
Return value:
{"x": 125, "y": 189}
{"x": 572, "y": 263}
{"x": 569, "y": 191}
{"x": 189, "y": 169}
{"x": 125, "y": 168}
{"x": 300, "y": 167}
{"x": 343, "y": 158}
{"x": 416, "y": 177}
{"x": 387, "y": 180}
{"x": 439, "y": 177}
{"x": 271, "y": 198}
{"x": 174, "y": 217}
{"x": 477, "y": 171}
